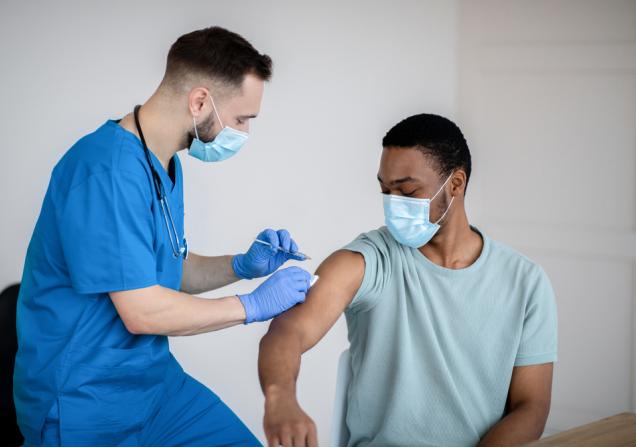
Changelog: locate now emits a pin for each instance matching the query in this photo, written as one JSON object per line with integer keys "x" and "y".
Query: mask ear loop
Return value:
{"x": 442, "y": 187}
{"x": 216, "y": 112}
{"x": 195, "y": 127}
{"x": 443, "y": 215}
{"x": 451, "y": 202}
{"x": 196, "y": 133}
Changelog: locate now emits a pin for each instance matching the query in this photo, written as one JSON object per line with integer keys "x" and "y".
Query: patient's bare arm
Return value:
{"x": 293, "y": 333}
{"x": 529, "y": 399}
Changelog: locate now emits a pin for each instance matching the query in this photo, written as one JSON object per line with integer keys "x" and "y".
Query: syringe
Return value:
{"x": 298, "y": 254}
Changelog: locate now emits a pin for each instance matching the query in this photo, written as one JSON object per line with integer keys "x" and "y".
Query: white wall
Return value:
{"x": 547, "y": 95}
{"x": 344, "y": 73}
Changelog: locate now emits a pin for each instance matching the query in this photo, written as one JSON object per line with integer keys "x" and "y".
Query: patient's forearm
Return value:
{"x": 279, "y": 362}
{"x": 204, "y": 273}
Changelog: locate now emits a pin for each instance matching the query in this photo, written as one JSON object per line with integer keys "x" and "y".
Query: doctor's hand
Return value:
{"x": 262, "y": 260}
{"x": 286, "y": 424}
{"x": 283, "y": 290}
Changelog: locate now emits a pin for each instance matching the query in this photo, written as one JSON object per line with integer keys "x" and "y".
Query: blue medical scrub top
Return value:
{"x": 100, "y": 230}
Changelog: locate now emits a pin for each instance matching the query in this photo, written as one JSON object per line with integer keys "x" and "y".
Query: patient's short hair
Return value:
{"x": 218, "y": 54}
{"x": 435, "y": 136}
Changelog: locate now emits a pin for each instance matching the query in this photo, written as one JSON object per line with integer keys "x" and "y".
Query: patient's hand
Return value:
{"x": 287, "y": 424}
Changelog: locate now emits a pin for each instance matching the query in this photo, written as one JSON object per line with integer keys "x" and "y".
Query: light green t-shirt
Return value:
{"x": 432, "y": 349}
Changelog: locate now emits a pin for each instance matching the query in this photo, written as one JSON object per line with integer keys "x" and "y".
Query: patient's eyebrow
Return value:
{"x": 399, "y": 181}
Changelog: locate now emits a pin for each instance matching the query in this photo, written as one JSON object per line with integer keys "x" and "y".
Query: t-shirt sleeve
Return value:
{"x": 539, "y": 334}
{"x": 376, "y": 270}
{"x": 107, "y": 231}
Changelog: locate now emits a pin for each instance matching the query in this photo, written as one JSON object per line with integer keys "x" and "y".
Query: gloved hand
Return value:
{"x": 283, "y": 290}
{"x": 261, "y": 260}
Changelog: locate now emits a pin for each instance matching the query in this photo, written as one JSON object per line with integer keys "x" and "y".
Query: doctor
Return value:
{"x": 108, "y": 275}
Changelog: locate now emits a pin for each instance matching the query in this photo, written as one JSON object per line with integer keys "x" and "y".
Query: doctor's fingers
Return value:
{"x": 302, "y": 284}
{"x": 270, "y": 236}
{"x": 285, "y": 240}
{"x": 294, "y": 246}
{"x": 296, "y": 272}
{"x": 300, "y": 277}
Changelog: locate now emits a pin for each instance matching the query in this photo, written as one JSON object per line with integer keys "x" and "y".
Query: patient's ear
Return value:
{"x": 458, "y": 183}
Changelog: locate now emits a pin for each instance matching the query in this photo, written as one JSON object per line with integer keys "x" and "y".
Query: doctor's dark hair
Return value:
{"x": 217, "y": 53}
{"x": 436, "y": 137}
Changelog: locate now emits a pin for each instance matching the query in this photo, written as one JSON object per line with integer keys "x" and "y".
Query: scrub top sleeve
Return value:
{"x": 107, "y": 231}
{"x": 539, "y": 334}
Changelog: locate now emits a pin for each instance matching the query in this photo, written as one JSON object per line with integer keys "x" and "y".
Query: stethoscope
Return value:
{"x": 178, "y": 250}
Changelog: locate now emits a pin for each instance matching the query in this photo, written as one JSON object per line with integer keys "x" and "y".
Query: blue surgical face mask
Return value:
{"x": 226, "y": 144}
{"x": 408, "y": 218}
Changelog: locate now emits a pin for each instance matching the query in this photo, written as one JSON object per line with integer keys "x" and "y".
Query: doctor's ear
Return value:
{"x": 197, "y": 100}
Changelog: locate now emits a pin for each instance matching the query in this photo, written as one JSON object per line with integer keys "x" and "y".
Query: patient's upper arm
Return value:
{"x": 340, "y": 277}
{"x": 531, "y": 385}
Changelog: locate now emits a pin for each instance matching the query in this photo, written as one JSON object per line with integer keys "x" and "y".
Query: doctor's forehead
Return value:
{"x": 248, "y": 97}
{"x": 399, "y": 163}
{"x": 251, "y": 88}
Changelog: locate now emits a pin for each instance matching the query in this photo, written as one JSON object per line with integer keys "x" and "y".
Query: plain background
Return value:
{"x": 545, "y": 92}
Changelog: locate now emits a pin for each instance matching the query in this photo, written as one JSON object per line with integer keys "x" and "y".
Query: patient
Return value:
{"x": 453, "y": 335}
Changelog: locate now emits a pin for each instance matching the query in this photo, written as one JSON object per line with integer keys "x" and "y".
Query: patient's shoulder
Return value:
{"x": 512, "y": 259}
{"x": 379, "y": 239}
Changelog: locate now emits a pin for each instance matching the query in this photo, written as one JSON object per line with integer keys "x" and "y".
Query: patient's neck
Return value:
{"x": 456, "y": 245}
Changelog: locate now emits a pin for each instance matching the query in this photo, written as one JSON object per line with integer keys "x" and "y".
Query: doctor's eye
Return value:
{"x": 240, "y": 121}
